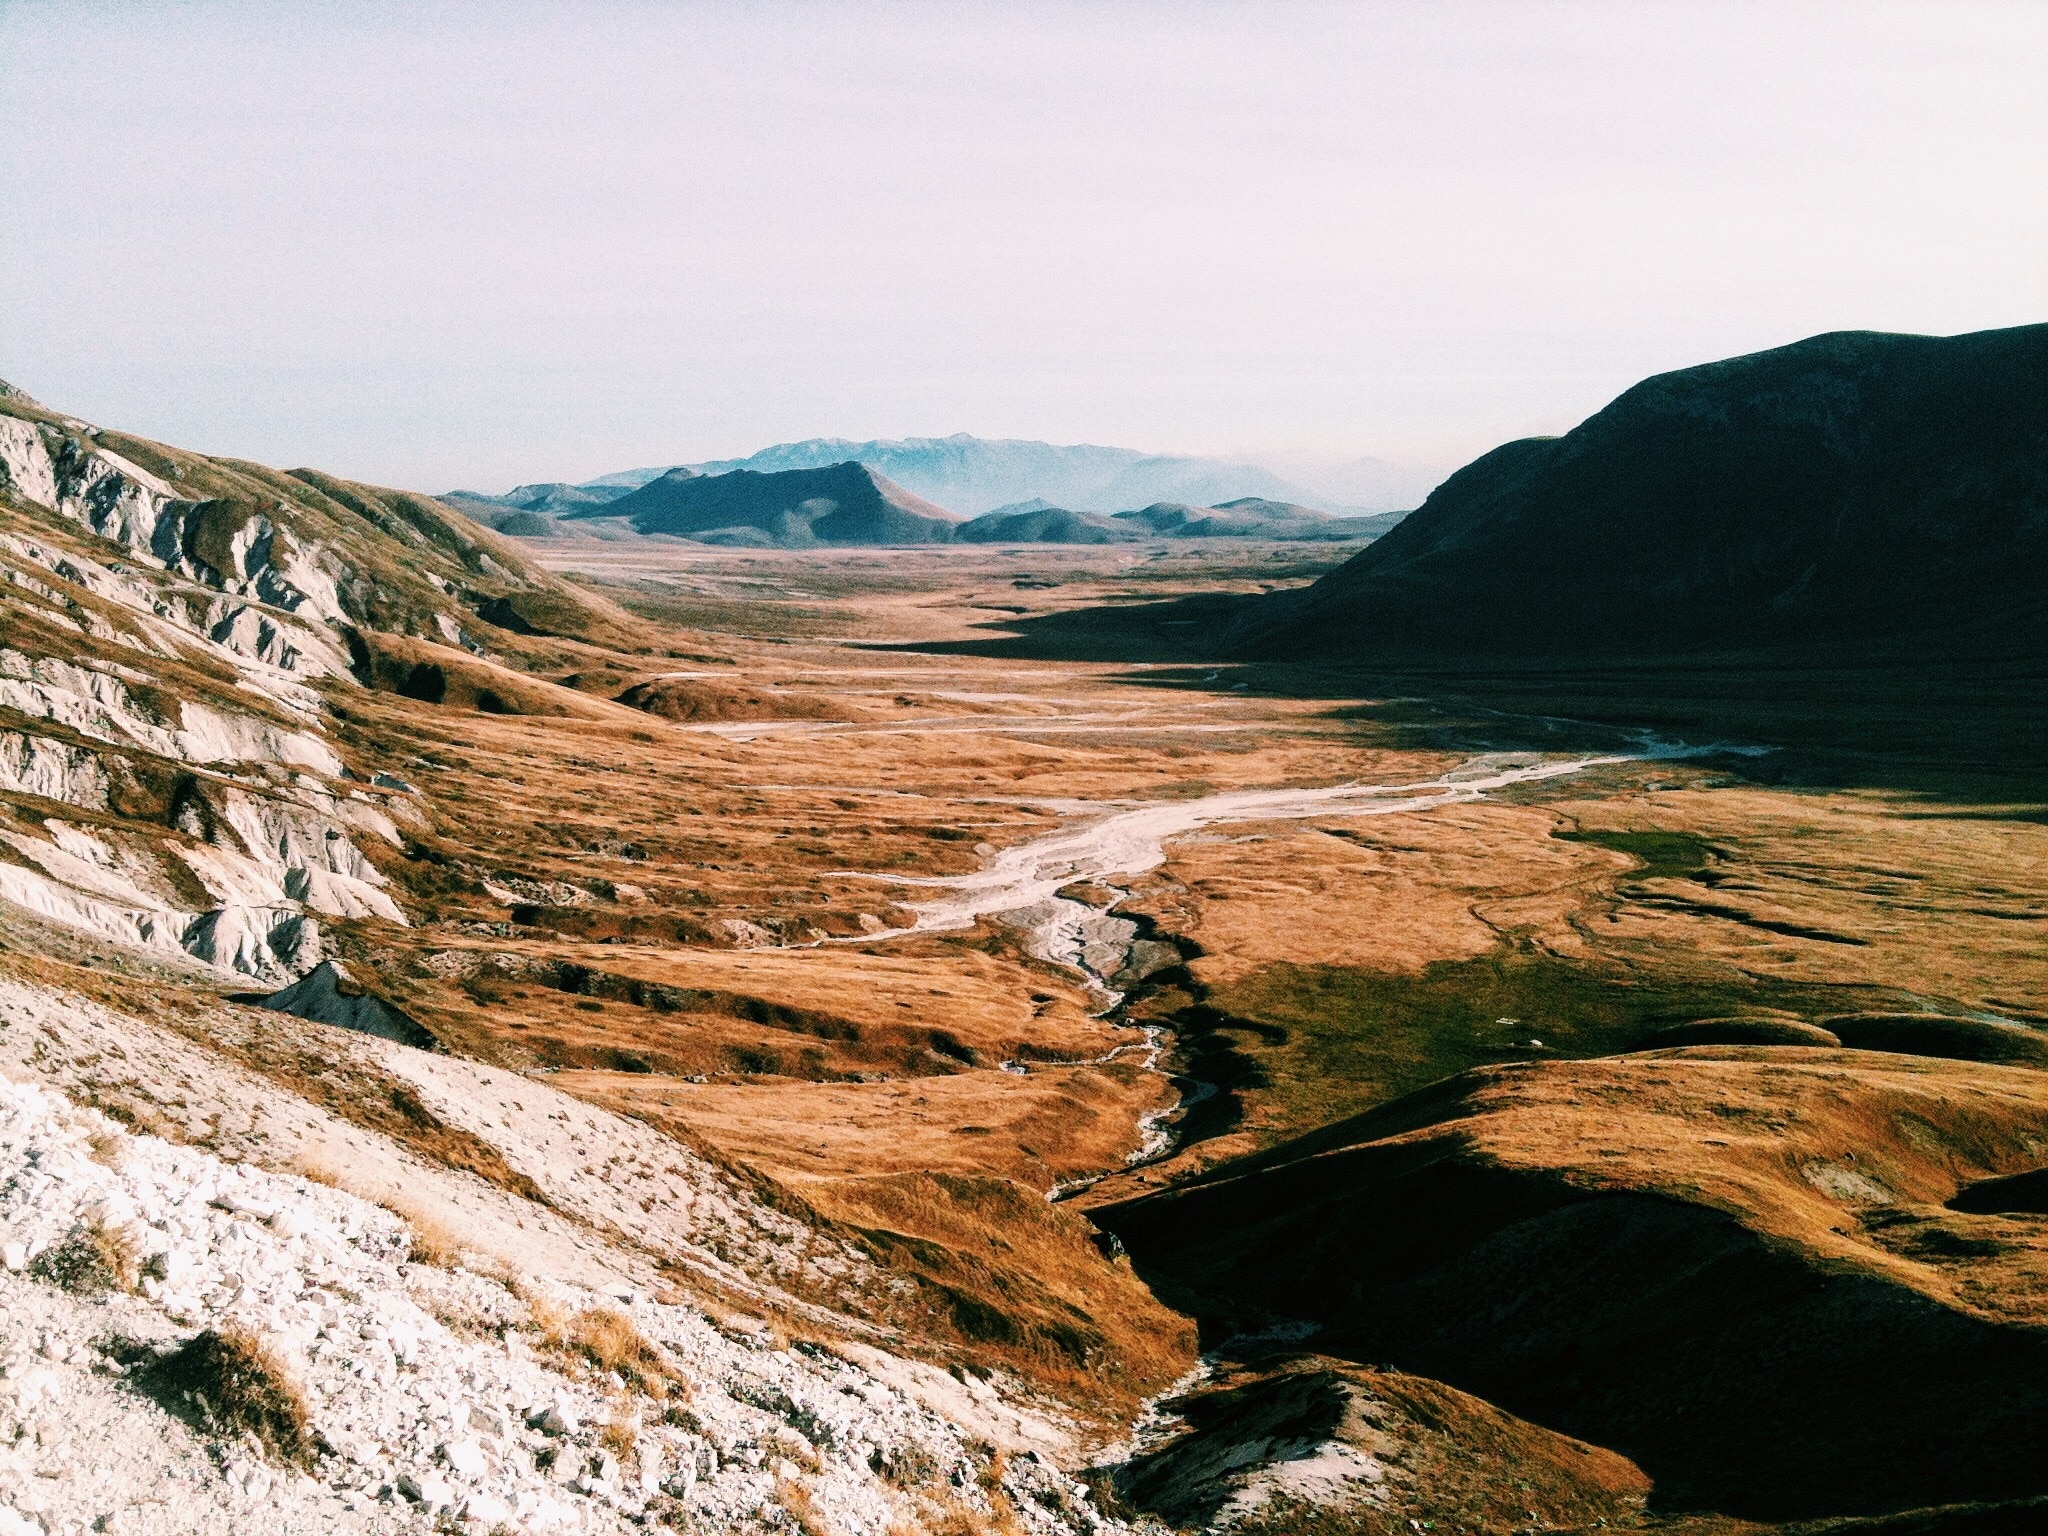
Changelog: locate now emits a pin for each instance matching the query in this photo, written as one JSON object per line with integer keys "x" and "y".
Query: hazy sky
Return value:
{"x": 439, "y": 245}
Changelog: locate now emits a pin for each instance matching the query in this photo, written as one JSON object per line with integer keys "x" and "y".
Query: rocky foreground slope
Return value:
{"x": 273, "y": 1272}
{"x": 507, "y": 1363}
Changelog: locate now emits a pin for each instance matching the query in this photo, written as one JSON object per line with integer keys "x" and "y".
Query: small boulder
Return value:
{"x": 429, "y": 1490}
{"x": 555, "y": 1419}
{"x": 404, "y": 1340}
{"x": 485, "y": 1510}
{"x": 465, "y": 1458}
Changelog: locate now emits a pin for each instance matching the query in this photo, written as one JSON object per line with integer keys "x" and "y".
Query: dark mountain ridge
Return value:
{"x": 1849, "y": 487}
{"x": 842, "y": 504}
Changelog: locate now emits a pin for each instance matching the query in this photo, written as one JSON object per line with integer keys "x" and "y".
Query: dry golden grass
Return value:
{"x": 433, "y": 1243}
{"x": 240, "y": 1386}
{"x": 1851, "y": 1155}
{"x": 1944, "y": 900}
{"x": 432, "y": 1240}
{"x": 318, "y": 1170}
{"x": 946, "y": 1514}
{"x": 910, "y": 1466}
{"x": 1393, "y": 893}
{"x": 1038, "y": 1129}
{"x": 1010, "y": 1279}
{"x": 604, "y": 1339}
{"x": 802, "y": 1508}
{"x": 94, "y": 1260}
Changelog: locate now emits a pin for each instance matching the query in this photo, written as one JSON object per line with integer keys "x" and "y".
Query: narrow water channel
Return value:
{"x": 1022, "y": 886}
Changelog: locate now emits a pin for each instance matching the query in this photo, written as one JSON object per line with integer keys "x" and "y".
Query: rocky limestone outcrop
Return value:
{"x": 260, "y": 839}
{"x": 1319, "y": 1442}
{"x": 267, "y": 864}
{"x": 226, "y": 545}
{"x": 158, "y": 613}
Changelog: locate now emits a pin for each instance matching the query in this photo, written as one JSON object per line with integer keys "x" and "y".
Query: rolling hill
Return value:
{"x": 1045, "y": 525}
{"x": 1254, "y": 517}
{"x": 550, "y": 498}
{"x": 1852, "y": 487}
{"x": 1248, "y": 517}
{"x": 1741, "y": 1267}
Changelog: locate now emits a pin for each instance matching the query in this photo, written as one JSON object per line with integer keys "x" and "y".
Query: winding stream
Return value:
{"x": 1021, "y": 886}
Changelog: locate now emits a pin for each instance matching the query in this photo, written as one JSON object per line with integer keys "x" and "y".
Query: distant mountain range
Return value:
{"x": 1851, "y": 486}
{"x": 852, "y": 503}
{"x": 973, "y": 475}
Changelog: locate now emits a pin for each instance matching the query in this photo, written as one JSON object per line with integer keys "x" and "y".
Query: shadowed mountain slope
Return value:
{"x": 845, "y": 503}
{"x": 1853, "y": 487}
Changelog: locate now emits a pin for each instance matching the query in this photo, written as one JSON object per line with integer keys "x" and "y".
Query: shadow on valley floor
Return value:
{"x": 1964, "y": 726}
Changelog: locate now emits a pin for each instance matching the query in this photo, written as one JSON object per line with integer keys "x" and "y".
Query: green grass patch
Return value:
{"x": 767, "y": 616}
{"x": 1309, "y": 1044}
{"x": 1663, "y": 855}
